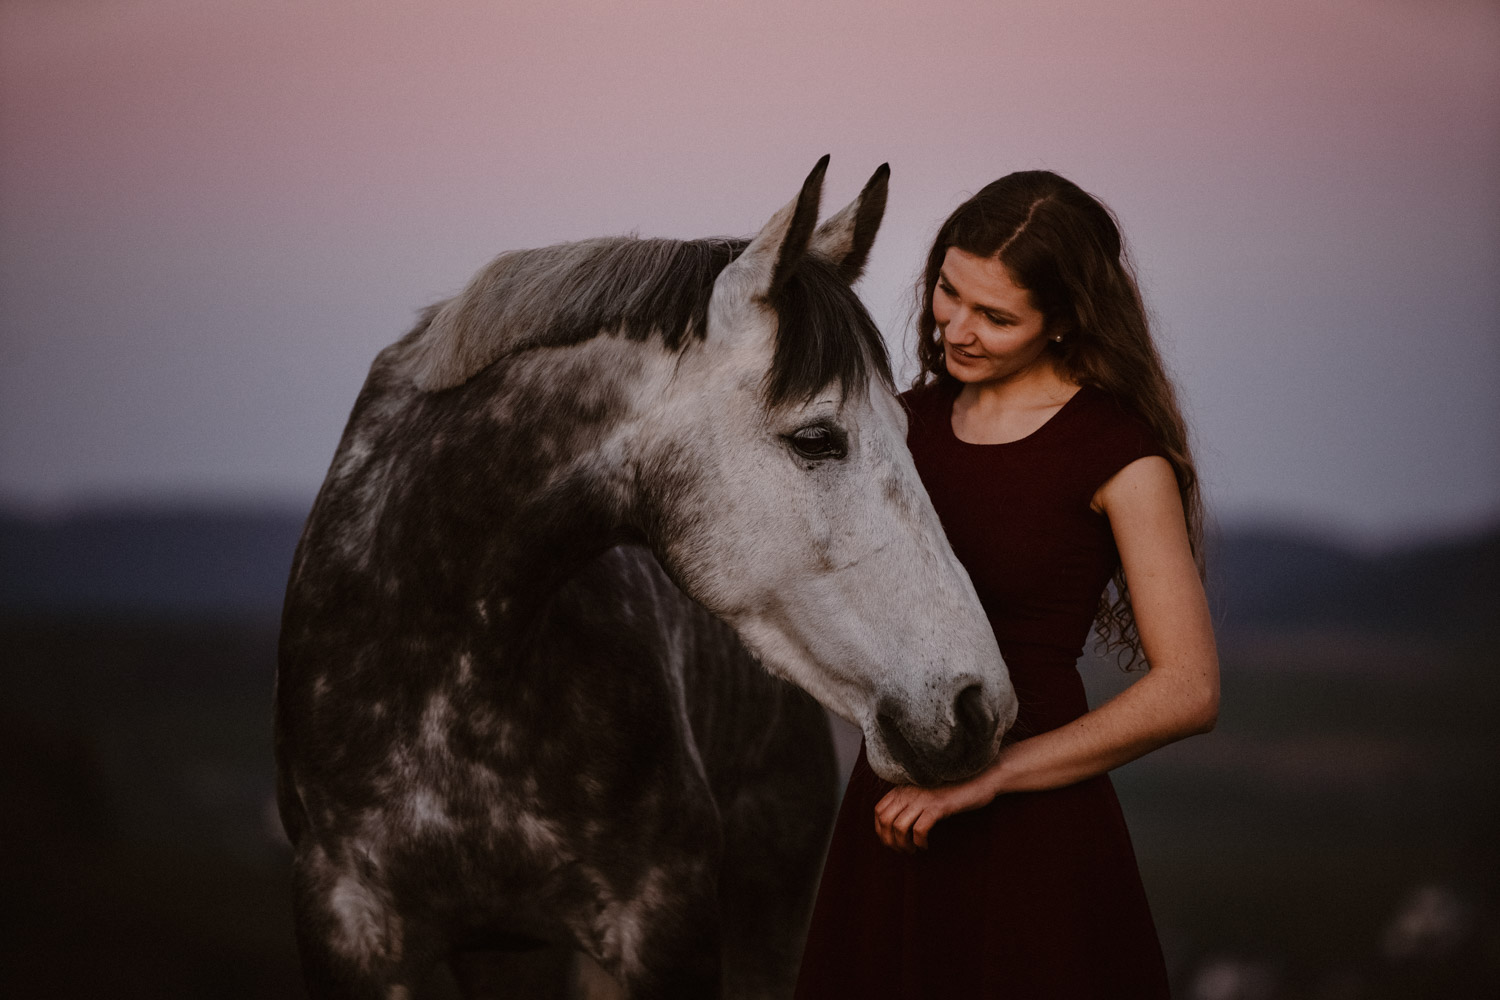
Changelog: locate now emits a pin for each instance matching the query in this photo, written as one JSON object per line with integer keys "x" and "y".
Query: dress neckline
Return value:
{"x": 1055, "y": 418}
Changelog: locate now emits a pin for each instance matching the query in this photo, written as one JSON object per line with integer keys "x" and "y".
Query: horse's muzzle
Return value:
{"x": 969, "y": 746}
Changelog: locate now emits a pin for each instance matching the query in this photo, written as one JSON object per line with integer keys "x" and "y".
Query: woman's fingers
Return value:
{"x": 921, "y": 828}
{"x": 901, "y": 830}
{"x": 903, "y": 818}
{"x": 888, "y": 818}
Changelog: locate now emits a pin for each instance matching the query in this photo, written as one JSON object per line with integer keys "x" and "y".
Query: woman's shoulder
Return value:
{"x": 1108, "y": 433}
{"x": 1111, "y": 414}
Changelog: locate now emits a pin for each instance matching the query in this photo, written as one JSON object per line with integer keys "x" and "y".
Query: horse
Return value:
{"x": 601, "y": 533}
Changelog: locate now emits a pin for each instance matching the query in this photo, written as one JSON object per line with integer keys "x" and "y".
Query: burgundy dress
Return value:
{"x": 1037, "y": 895}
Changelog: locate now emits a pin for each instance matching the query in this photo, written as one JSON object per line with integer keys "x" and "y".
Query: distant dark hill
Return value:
{"x": 149, "y": 562}
{"x": 200, "y": 562}
{"x": 1276, "y": 579}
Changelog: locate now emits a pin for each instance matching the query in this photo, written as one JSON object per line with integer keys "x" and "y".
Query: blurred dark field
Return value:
{"x": 1338, "y": 835}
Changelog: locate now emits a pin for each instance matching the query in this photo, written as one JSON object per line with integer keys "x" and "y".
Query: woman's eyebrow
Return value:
{"x": 994, "y": 310}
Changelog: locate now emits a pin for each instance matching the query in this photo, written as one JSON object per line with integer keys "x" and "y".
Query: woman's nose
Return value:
{"x": 960, "y": 329}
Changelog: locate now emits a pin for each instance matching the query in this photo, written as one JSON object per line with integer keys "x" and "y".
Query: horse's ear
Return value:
{"x": 773, "y": 255}
{"x": 846, "y": 238}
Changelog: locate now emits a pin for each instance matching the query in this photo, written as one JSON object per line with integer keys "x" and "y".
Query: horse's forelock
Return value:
{"x": 824, "y": 335}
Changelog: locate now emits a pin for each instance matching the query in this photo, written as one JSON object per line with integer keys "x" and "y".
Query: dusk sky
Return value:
{"x": 213, "y": 214}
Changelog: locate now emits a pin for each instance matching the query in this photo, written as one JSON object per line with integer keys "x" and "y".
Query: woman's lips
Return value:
{"x": 963, "y": 354}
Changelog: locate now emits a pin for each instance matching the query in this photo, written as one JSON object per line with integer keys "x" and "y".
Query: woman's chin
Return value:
{"x": 963, "y": 372}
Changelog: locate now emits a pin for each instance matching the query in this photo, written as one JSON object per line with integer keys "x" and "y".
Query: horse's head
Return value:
{"x": 733, "y": 404}
{"x": 777, "y": 489}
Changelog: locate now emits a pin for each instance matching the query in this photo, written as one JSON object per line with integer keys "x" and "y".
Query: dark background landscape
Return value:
{"x": 1338, "y": 835}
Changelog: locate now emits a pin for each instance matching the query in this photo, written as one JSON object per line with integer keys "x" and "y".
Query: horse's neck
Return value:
{"x": 494, "y": 492}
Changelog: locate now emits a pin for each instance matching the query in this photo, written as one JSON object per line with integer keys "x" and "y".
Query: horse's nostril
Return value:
{"x": 973, "y": 718}
{"x": 900, "y": 748}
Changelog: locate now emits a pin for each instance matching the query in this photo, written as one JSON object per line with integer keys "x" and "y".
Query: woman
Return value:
{"x": 1048, "y": 436}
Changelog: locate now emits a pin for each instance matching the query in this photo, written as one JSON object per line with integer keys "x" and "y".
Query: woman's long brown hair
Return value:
{"x": 1064, "y": 246}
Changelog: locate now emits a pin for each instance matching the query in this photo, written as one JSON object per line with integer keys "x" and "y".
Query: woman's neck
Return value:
{"x": 1010, "y": 408}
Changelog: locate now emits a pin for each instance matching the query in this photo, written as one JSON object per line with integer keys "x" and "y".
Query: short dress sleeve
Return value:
{"x": 1115, "y": 438}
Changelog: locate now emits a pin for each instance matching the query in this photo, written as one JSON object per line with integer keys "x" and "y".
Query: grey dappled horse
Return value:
{"x": 519, "y": 703}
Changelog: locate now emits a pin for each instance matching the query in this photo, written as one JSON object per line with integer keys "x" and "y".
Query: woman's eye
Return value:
{"x": 817, "y": 441}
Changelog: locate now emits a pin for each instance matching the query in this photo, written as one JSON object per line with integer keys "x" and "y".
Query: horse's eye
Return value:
{"x": 818, "y": 441}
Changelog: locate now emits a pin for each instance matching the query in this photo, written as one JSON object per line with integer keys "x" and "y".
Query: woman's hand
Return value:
{"x": 907, "y": 813}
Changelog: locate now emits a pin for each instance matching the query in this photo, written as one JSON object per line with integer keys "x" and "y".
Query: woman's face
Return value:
{"x": 990, "y": 328}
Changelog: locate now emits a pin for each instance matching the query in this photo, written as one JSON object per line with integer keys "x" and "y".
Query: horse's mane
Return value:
{"x": 641, "y": 288}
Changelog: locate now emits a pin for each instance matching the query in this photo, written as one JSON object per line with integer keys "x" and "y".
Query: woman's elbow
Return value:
{"x": 1196, "y": 709}
{"x": 1205, "y": 713}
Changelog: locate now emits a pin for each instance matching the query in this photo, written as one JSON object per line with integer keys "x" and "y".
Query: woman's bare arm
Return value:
{"x": 1177, "y": 697}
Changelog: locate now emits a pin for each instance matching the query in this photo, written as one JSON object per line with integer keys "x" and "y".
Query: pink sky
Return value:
{"x": 214, "y": 214}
